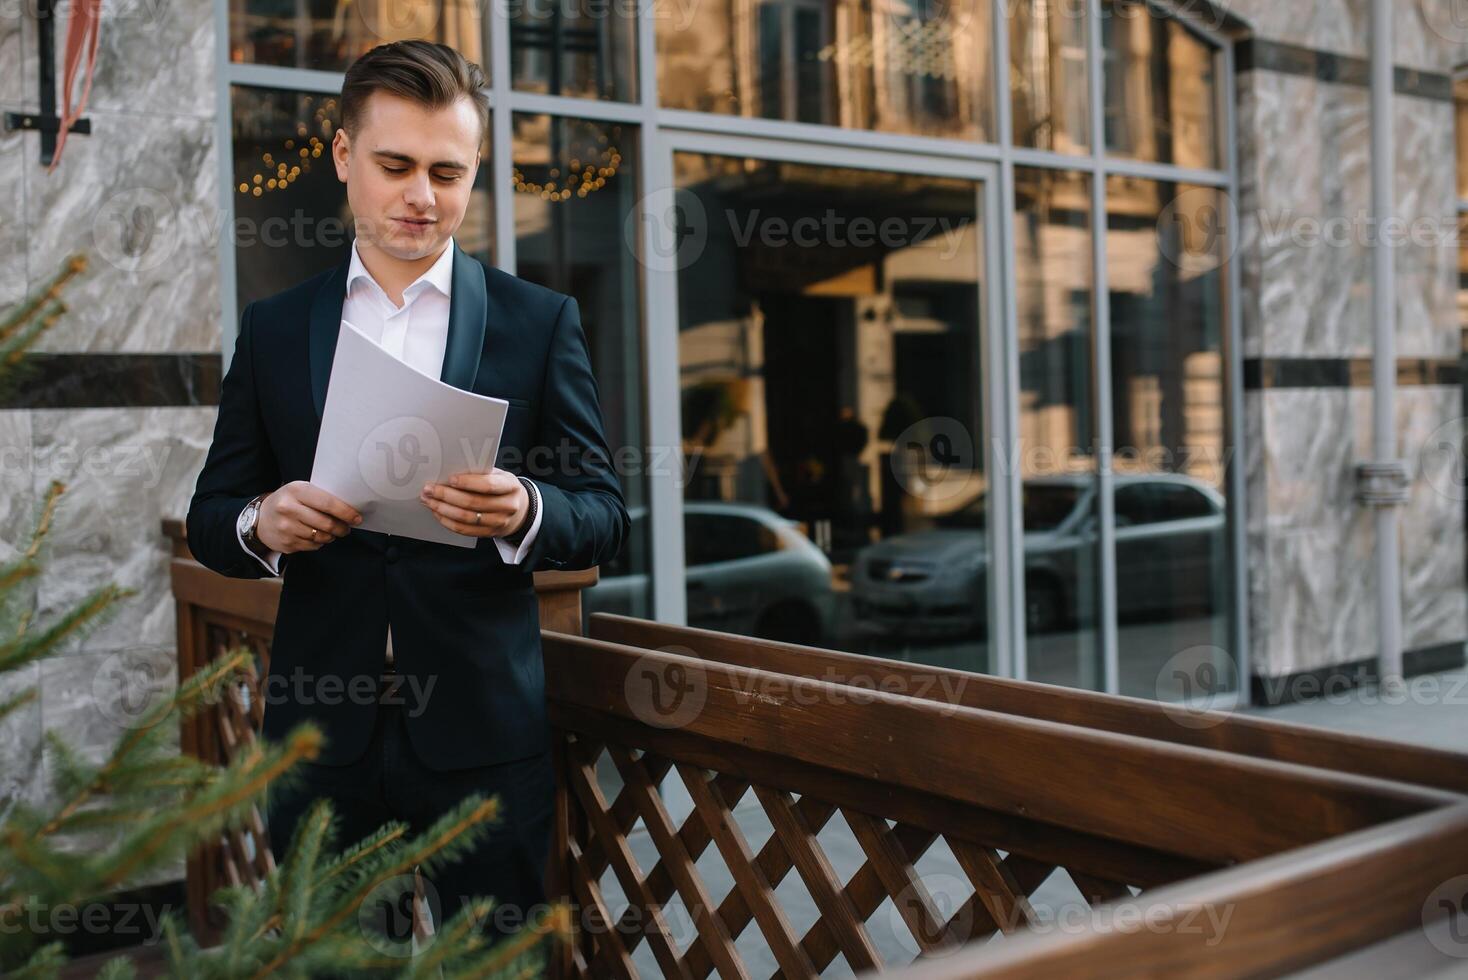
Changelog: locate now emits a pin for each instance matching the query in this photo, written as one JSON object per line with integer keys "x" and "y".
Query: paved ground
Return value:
{"x": 1431, "y": 711}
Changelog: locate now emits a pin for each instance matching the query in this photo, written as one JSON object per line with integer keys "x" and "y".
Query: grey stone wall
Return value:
{"x": 1304, "y": 132}
{"x": 123, "y": 196}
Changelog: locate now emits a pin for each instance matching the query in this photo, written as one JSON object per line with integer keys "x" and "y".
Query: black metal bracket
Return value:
{"x": 46, "y": 120}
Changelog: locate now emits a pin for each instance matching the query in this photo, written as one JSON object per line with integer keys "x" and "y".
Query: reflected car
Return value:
{"x": 749, "y": 571}
{"x": 1169, "y": 558}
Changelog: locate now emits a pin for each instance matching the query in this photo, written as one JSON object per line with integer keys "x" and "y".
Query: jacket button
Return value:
{"x": 391, "y": 554}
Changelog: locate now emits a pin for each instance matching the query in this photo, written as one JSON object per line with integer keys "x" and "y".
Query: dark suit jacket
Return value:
{"x": 463, "y": 621}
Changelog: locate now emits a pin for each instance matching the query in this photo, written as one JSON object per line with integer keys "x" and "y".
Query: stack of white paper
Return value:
{"x": 387, "y": 429}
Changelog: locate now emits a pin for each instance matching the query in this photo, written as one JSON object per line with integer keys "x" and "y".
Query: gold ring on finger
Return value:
{"x": 476, "y": 517}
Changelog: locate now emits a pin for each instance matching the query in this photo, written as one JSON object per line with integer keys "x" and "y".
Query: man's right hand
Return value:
{"x": 290, "y": 514}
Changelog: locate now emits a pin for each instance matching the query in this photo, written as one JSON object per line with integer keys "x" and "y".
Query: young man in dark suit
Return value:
{"x": 421, "y": 662}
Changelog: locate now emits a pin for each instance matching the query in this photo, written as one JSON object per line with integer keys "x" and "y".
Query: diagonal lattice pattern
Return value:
{"x": 999, "y": 902}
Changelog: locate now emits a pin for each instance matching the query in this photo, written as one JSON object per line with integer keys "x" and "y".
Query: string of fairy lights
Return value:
{"x": 297, "y": 152}
{"x": 583, "y": 178}
{"x": 279, "y": 169}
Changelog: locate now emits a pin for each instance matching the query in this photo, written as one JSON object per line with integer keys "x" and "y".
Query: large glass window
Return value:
{"x": 904, "y": 66}
{"x": 1460, "y": 118}
{"x": 1164, "y": 261}
{"x": 1048, "y": 75}
{"x": 1460, "y": 113}
{"x": 328, "y": 35}
{"x": 291, "y": 217}
{"x": 1160, "y": 99}
{"x": 565, "y": 47}
{"x": 836, "y": 481}
{"x": 1059, "y": 484}
{"x": 574, "y": 186}
{"x": 828, "y": 338}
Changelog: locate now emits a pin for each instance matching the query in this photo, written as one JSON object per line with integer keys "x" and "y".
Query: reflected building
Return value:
{"x": 1019, "y": 367}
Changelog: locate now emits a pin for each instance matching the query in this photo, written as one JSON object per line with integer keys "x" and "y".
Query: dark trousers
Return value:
{"x": 390, "y": 782}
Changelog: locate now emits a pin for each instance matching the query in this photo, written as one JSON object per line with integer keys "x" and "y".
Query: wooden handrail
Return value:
{"x": 1221, "y": 731}
{"x": 1214, "y": 807}
{"x": 1282, "y": 913}
{"x": 1318, "y": 842}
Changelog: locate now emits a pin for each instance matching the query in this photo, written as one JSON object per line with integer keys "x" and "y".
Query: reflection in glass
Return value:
{"x": 1460, "y": 130}
{"x": 829, "y": 345}
{"x": 910, "y": 66}
{"x": 1460, "y": 110}
{"x": 575, "y": 183}
{"x": 1463, "y": 316}
{"x": 586, "y": 49}
{"x": 329, "y": 35}
{"x": 1048, "y": 75}
{"x": 292, "y": 219}
{"x": 284, "y": 177}
{"x": 1161, "y": 103}
{"x": 1166, "y": 292}
{"x": 1057, "y": 462}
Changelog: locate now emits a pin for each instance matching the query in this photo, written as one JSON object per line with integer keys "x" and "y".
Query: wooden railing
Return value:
{"x": 1315, "y": 844}
{"x": 216, "y": 615}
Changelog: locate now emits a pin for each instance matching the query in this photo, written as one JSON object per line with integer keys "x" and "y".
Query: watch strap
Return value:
{"x": 526, "y": 524}
{"x": 251, "y": 538}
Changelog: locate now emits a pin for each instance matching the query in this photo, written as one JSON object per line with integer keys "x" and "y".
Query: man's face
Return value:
{"x": 409, "y": 171}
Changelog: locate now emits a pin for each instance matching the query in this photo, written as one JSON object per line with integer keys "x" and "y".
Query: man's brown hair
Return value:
{"x": 433, "y": 75}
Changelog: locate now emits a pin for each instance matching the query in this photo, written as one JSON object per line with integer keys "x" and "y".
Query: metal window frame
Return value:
{"x": 661, "y": 132}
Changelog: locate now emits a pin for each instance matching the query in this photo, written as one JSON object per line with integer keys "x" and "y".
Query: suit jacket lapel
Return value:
{"x": 467, "y": 309}
{"x": 466, "y": 322}
{"x": 326, "y": 322}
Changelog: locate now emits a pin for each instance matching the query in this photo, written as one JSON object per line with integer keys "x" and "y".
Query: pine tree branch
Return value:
{"x": 44, "y": 962}
{"x": 200, "y": 682}
{"x": 28, "y": 647}
{"x": 20, "y": 700}
{"x": 362, "y": 853}
{"x": 303, "y": 743}
{"x": 75, "y": 265}
{"x": 482, "y": 811}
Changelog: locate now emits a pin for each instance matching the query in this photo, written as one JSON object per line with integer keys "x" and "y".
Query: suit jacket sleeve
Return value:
{"x": 240, "y": 464}
{"x": 583, "y": 520}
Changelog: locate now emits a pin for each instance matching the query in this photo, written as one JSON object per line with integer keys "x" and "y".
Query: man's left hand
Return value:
{"x": 497, "y": 497}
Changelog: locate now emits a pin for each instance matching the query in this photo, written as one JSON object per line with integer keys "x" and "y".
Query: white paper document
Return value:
{"x": 387, "y": 429}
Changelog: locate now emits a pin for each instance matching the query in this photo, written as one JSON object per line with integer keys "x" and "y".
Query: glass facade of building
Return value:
{"x": 912, "y": 319}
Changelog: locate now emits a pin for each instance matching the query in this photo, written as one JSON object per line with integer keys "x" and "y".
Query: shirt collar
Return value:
{"x": 440, "y": 275}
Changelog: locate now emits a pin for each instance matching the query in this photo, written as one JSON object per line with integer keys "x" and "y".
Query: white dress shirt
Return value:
{"x": 416, "y": 333}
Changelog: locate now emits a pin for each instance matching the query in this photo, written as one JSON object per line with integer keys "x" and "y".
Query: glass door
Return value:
{"x": 833, "y": 395}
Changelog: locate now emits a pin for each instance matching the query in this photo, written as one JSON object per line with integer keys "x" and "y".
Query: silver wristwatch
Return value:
{"x": 249, "y": 518}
